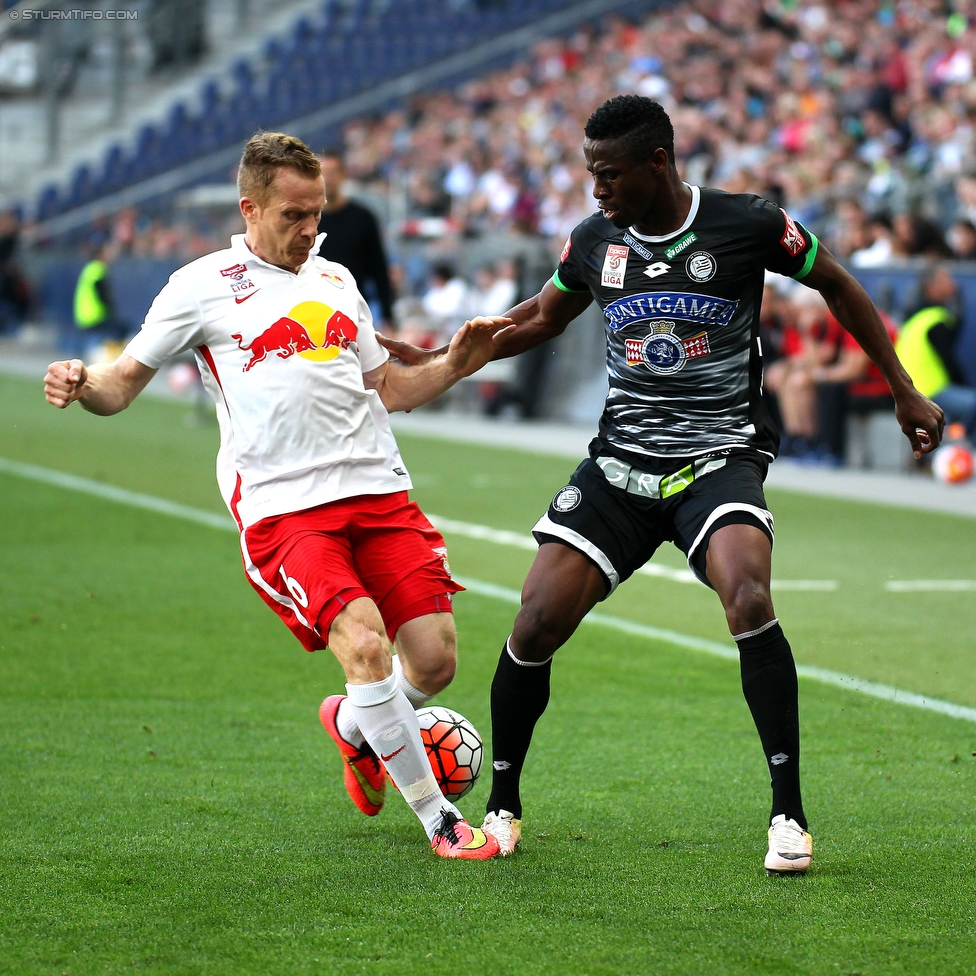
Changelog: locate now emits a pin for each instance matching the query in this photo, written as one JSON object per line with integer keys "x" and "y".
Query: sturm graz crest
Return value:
{"x": 567, "y": 499}
{"x": 701, "y": 266}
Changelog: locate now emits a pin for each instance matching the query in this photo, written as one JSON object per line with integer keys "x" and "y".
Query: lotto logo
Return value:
{"x": 792, "y": 239}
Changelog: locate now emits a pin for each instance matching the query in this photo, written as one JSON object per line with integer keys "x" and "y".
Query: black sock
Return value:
{"x": 769, "y": 684}
{"x": 519, "y": 695}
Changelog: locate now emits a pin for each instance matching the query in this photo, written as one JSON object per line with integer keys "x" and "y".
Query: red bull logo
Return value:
{"x": 311, "y": 330}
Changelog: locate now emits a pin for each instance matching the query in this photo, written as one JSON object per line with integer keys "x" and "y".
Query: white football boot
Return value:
{"x": 506, "y": 829}
{"x": 790, "y": 848}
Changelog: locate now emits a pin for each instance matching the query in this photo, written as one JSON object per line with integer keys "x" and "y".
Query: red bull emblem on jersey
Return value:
{"x": 662, "y": 351}
{"x": 311, "y": 330}
{"x": 333, "y": 279}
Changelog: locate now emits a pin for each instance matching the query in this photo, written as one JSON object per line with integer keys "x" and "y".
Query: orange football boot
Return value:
{"x": 363, "y": 774}
{"x": 455, "y": 837}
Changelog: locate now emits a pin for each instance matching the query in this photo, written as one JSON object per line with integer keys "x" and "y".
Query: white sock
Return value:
{"x": 389, "y": 724}
{"x": 346, "y": 720}
{"x": 415, "y": 696}
{"x": 348, "y": 726}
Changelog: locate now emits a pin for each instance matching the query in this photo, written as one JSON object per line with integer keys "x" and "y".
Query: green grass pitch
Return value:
{"x": 170, "y": 805}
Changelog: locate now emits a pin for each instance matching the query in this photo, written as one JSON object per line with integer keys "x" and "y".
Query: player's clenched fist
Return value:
{"x": 64, "y": 382}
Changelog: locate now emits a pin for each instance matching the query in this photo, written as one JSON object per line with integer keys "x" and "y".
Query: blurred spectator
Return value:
{"x": 851, "y": 384}
{"x": 446, "y": 301}
{"x": 772, "y": 330}
{"x": 810, "y": 340}
{"x": 880, "y": 251}
{"x": 927, "y": 349}
{"x": 916, "y": 236}
{"x": 353, "y": 238}
{"x": 495, "y": 289}
{"x": 962, "y": 239}
{"x": 14, "y": 289}
{"x": 823, "y": 375}
{"x": 94, "y": 307}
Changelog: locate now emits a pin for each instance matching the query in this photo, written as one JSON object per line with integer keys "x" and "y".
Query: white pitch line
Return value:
{"x": 222, "y": 522}
{"x": 930, "y": 586}
{"x": 74, "y": 483}
{"x": 846, "y": 681}
{"x": 503, "y": 537}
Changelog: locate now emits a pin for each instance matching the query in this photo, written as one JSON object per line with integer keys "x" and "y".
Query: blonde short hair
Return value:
{"x": 266, "y": 153}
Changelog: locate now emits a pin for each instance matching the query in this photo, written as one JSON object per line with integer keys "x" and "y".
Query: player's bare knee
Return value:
{"x": 365, "y": 655}
{"x": 436, "y": 672}
{"x": 437, "y": 680}
{"x": 749, "y": 607}
{"x": 538, "y": 632}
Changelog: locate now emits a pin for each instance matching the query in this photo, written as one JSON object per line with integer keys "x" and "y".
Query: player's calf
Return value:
{"x": 427, "y": 656}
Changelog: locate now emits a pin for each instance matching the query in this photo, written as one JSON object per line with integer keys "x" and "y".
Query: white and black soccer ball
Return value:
{"x": 454, "y": 748}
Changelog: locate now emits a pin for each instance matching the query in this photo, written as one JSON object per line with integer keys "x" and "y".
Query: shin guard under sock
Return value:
{"x": 346, "y": 720}
{"x": 519, "y": 695}
{"x": 389, "y": 723}
{"x": 770, "y": 688}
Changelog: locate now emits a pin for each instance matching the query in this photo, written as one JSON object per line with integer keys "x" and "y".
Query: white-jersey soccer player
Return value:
{"x": 310, "y": 470}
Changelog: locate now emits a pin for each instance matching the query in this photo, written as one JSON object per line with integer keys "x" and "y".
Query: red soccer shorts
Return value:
{"x": 308, "y": 565}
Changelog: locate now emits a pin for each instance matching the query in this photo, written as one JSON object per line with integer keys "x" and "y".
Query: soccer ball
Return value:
{"x": 953, "y": 464}
{"x": 454, "y": 748}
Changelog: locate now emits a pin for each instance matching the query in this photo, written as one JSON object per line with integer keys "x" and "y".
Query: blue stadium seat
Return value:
{"x": 48, "y": 203}
{"x": 344, "y": 48}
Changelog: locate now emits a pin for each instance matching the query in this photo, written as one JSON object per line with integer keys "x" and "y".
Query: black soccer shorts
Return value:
{"x": 619, "y": 529}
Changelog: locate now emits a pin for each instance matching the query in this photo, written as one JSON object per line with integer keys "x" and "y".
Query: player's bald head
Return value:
{"x": 637, "y": 126}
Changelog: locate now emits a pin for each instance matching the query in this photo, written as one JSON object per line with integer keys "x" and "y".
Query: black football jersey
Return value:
{"x": 682, "y": 320}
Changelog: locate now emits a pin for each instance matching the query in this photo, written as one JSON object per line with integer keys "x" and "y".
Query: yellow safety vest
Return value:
{"x": 90, "y": 310}
{"x": 923, "y": 364}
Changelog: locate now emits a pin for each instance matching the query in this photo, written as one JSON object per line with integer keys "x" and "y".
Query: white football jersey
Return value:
{"x": 283, "y": 356}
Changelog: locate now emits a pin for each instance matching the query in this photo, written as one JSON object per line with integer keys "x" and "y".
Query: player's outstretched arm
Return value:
{"x": 537, "y": 320}
{"x": 104, "y": 389}
{"x": 921, "y": 420}
{"x": 403, "y": 386}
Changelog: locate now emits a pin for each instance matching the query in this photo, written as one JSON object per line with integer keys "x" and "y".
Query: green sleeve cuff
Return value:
{"x": 562, "y": 287}
{"x": 811, "y": 257}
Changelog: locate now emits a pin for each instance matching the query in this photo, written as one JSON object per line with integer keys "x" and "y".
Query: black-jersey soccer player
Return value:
{"x": 684, "y": 442}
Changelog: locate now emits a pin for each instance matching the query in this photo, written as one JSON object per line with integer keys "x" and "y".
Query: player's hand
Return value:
{"x": 476, "y": 341}
{"x": 921, "y": 420}
{"x": 65, "y": 382}
{"x": 407, "y": 353}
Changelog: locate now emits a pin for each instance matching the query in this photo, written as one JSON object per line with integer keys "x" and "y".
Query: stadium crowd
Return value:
{"x": 857, "y": 116}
